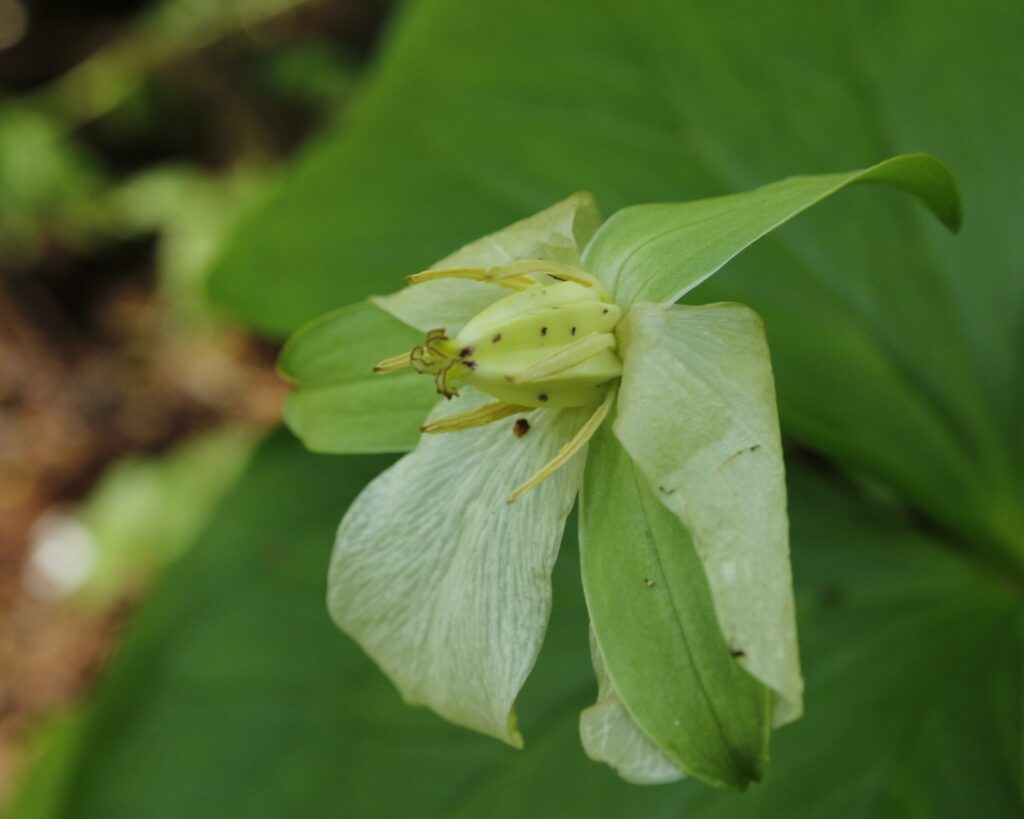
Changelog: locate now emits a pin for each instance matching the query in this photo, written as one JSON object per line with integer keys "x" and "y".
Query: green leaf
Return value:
{"x": 655, "y": 625}
{"x": 661, "y": 252}
{"x": 896, "y": 347}
{"x": 446, "y": 584}
{"x": 233, "y": 694}
{"x": 339, "y": 405}
{"x": 696, "y": 413}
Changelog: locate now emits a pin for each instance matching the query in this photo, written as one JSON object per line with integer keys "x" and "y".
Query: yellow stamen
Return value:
{"x": 396, "y": 362}
{"x": 478, "y": 417}
{"x": 579, "y": 440}
{"x": 479, "y": 274}
{"x": 559, "y": 271}
{"x": 565, "y": 359}
{"x": 513, "y": 276}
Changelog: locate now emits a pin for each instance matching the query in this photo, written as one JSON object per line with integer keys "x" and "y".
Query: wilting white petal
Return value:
{"x": 446, "y": 584}
{"x": 697, "y": 415}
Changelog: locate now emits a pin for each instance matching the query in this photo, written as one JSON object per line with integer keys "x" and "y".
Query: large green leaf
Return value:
{"x": 234, "y": 695}
{"x": 897, "y": 348}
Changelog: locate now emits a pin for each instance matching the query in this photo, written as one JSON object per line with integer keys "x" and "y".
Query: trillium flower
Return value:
{"x": 550, "y": 361}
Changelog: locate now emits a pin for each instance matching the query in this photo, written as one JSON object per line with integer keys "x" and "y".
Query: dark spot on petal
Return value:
{"x": 465, "y": 352}
{"x": 666, "y": 490}
{"x": 496, "y": 338}
{"x": 573, "y": 331}
{"x": 542, "y": 397}
{"x": 648, "y": 582}
{"x": 470, "y": 364}
{"x": 604, "y": 312}
{"x": 522, "y": 426}
{"x": 543, "y": 331}
{"x": 735, "y": 652}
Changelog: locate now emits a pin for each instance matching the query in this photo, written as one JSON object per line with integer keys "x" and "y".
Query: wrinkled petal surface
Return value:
{"x": 697, "y": 415}
{"x": 444, "y": 583}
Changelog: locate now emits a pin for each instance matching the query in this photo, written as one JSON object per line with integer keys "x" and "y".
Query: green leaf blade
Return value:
{"x": 654, "y": 620}
{"x": 661, "y": 252}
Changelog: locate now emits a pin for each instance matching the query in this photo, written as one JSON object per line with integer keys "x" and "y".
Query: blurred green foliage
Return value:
{"x": 898, "y": 358}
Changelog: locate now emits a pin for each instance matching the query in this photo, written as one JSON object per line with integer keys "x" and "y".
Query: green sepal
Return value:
{"x": 339, "y": 405}
{"x": 654, "y": 622}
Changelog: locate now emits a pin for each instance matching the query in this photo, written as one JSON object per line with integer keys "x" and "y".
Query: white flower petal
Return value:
{"x": 556, "y": 234}
{"x": 697, "y": 414}
{"x": 610, "y": 735}
{"x": 446, "y": 584}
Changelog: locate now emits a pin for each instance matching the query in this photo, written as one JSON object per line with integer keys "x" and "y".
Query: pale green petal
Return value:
{"x": 697, "y": 414}
{"x": 444, "y": 583}
{"x": 609, "y": 734}
{"x": 660, "y": 252}
{"x": 556, "y": 234}
{"x": 339, "y": 405}
{"x": 441, "y": 304}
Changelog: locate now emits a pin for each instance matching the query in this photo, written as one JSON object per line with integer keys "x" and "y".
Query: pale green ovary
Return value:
{"x": 525, "y": 328}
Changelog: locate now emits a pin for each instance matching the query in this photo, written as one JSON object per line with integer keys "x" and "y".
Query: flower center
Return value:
{"x": 548, "y": 344}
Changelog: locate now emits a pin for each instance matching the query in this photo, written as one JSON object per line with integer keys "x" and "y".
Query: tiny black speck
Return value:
{"x": 542, "y": 397}
{"x": 603, "y": 312}
{"x": 465, "y": 351}
{"x": 543, "y": 331}
{"x": 496, "y": 338}
{"x": 522, "y": 426}
{"x": 573, "y": 331}
{"x": 737, "y": 653}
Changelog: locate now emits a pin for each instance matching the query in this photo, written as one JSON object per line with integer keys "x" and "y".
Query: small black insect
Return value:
{"x": 496, "y": 338}
{"x": 543, "y": 331}
{"x": 649, "y": 583}
{"x": 542, "y": 397}
{"x": 573, "y": 331}
{"x": 522, "y": 426}
{"x": 735, "y": 652}
{"x": 465, "y": 352}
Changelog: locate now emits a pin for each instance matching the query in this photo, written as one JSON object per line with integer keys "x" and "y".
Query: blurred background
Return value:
{"x": 132, "y": 134}
{"x": 185, "y": 182}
